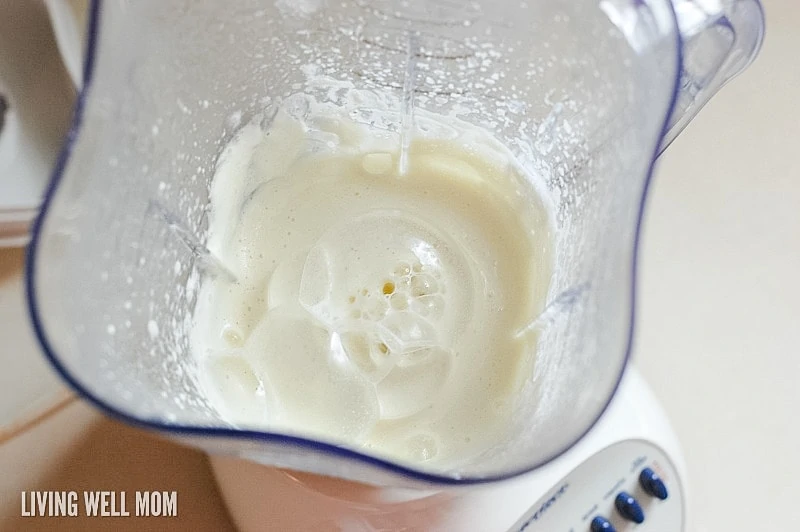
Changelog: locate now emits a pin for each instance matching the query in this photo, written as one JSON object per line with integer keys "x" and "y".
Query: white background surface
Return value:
{"x": 718, "y": 332}
{"x": 719, "y": 324}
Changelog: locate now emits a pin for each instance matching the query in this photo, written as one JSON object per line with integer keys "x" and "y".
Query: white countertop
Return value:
{"x": 718, "y": 334}
{"x": 27, "y": 383}
{"x": 718, "y": 329}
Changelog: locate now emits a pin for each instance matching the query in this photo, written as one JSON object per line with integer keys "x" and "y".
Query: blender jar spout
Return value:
{"x": 720, "y": 39}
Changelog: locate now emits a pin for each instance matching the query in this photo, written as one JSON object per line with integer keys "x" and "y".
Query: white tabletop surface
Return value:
{"x": 719, "y": 320}
{"x": 718, "y": 334}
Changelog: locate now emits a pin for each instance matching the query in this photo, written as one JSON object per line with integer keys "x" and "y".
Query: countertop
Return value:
{"x": 718, "y": 333}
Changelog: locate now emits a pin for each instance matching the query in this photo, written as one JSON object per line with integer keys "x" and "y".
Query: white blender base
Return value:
{"x": 564, "y": 495}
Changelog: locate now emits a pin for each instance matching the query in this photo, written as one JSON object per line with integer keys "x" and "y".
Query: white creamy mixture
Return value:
{"x": 372, "y": 309}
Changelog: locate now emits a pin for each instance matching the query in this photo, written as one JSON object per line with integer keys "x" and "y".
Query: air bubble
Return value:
{"x": 235, "y": 381}
{"x": 316, "y": 285}
{"x": 284, "y": 282}
{"x": 321, "y": 140}
{"x": 422, "y": 447}
{"x": 422, "y": 285}
{"x": 331, "y": 287}
{"x": 297, "y": 106}
{"x": 398, "y": 301}
{"x": 409, "y": 389}
{"x": 363, "y": 351}
{"x": 419, "y": 309}
{"x": 232, "y": 336}
{"x": 406, "y": 330}
{"x": 152, "y": 329}
{"x": 377, "y": 306}
{"x": 431, "y": 306}
{"x": 402, "y": 270}
{"x": 357, "y": 348}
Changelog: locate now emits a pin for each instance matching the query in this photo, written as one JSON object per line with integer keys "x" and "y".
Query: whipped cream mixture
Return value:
{"x": 371, "y": 309}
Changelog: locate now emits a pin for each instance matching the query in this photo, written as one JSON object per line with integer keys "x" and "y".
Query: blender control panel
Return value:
{"x": 629, "y": 486}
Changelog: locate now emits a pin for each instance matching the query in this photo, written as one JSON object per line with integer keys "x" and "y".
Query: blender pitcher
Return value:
{"x": 585, "y": 93}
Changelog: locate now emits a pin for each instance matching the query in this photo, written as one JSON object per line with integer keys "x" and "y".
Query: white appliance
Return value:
{"x": 627, "y": 468}
{"x": 94, "y": 303}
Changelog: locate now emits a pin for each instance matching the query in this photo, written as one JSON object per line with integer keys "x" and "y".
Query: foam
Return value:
{"x": 371, "y": 308}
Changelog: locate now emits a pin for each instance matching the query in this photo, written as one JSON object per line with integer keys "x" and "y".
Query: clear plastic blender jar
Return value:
{"x": 584, "y": 93}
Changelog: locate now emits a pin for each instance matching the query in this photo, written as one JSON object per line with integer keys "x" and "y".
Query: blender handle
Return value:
{"x": 720, "y": 39}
